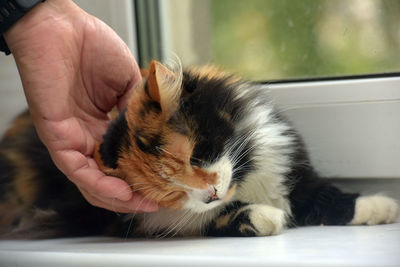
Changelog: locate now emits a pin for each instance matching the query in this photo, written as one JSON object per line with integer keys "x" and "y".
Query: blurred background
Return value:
{"x": 285, "y": 39}
{"x": 262, "y": 40}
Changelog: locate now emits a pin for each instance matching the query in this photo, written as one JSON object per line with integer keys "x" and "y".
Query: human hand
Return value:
{"x": 74, "y": 70}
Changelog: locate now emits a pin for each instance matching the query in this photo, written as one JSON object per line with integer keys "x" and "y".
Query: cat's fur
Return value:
{"x": 208, "y": 147}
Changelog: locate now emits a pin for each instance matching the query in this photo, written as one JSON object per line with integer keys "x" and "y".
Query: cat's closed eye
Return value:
{"x": 196, "y": 162}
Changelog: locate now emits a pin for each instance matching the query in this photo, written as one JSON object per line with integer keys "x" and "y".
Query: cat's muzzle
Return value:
{"x": 212, "y": 195}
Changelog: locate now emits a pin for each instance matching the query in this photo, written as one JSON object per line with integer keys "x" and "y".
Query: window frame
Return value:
{"x": 358, "y": 129}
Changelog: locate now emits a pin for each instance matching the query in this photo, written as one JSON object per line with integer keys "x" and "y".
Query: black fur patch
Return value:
{"x": 178, "y": 124}
{"x": 149, "y": 107}
{"x": 7, "y": 173}
{"x": 209, "y": 99}
{"x": 116, "y": 138}
{"x": 213, "y": 110}
{"x": 43, "y": 163}
{"x": 316, "y": 202}
{"x": 235, "y": 222}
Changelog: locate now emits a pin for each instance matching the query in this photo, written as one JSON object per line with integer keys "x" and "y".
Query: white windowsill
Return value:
{"x": 306, "y": 246}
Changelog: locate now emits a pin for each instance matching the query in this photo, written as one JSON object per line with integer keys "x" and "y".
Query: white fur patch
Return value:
{"x": 270, "y": 153}
{"x": 375, "y": 209}
{"x": 266, "y": 219}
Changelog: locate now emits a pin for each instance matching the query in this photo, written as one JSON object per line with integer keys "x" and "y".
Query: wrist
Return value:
{"x": 24, "y": 34}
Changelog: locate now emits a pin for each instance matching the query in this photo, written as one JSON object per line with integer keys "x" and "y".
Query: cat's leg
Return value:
{"x": 375, "y": 209}
{"x": 317, "y": 202}
{"x": 242, "y": 219}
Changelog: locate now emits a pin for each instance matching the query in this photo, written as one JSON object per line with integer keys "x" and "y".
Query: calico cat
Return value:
{"x": 207, "y": 146}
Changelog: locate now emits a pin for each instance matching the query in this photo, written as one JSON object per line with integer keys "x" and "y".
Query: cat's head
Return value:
{"x": 169, "y": 142}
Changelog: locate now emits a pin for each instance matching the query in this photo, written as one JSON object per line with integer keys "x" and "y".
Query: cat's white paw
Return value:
{"x": 266, "y": 220}
{"x": 375, "y": 209}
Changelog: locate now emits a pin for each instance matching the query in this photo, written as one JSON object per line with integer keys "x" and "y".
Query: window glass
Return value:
{"x": 286, "y": 39}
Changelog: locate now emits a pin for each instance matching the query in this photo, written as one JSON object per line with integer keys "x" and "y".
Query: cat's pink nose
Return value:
{"x": 212, "y": 194}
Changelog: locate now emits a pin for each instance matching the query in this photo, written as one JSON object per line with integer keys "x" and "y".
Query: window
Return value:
{"x": 337, "y": 63}
{"x": 286, "y": 39}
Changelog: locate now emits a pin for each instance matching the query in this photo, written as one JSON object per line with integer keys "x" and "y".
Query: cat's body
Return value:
{"x": 208, "y": 147}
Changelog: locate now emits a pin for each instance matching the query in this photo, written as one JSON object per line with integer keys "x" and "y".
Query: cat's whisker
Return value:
{"x": 148, "y": 196}
{"x": 239, "y": 157}
{"x": 241, "y": 166}
{"x": 121, "y": 191}
{"x": 184, "y": 223}
{"x": 142, "y": 188}
{"x": 178, "y": 226}
{"x": 237, "y": 173}
{"x": 175, "y": 224}
{"x": 129, "y": 226}
{"x": 243, "y": 140}
{"x": 151, "y": 196}
{"x": 134, "y": 214}
{"x": 202, "y": 219}
{"x": 240, "y": 169}
{"x": 128, "y": 187}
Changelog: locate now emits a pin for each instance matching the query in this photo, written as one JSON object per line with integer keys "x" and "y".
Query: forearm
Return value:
{"x": 40, "y": 43}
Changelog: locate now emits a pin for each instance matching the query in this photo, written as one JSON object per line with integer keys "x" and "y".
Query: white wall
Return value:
{"x": 12, "y": 99}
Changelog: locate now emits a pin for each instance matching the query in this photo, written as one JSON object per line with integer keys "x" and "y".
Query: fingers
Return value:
{"x": 100, "y": 190}
{"x": 106, "y": 191}
{"x": 136, "y": 205}
{"x": 84, "y": 172}
{"x": 98, "y": 202}
{"x": 110, "y": 193}
{"x": 95, "y": 182}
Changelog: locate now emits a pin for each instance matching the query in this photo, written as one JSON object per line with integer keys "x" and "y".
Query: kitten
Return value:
{"x": 208, "y": 147}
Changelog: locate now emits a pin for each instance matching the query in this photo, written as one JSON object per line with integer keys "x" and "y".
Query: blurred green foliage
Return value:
{"x": 280, "y": 39}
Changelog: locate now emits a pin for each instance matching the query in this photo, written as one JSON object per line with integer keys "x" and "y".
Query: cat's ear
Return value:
{"x": 163, "y": 86}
